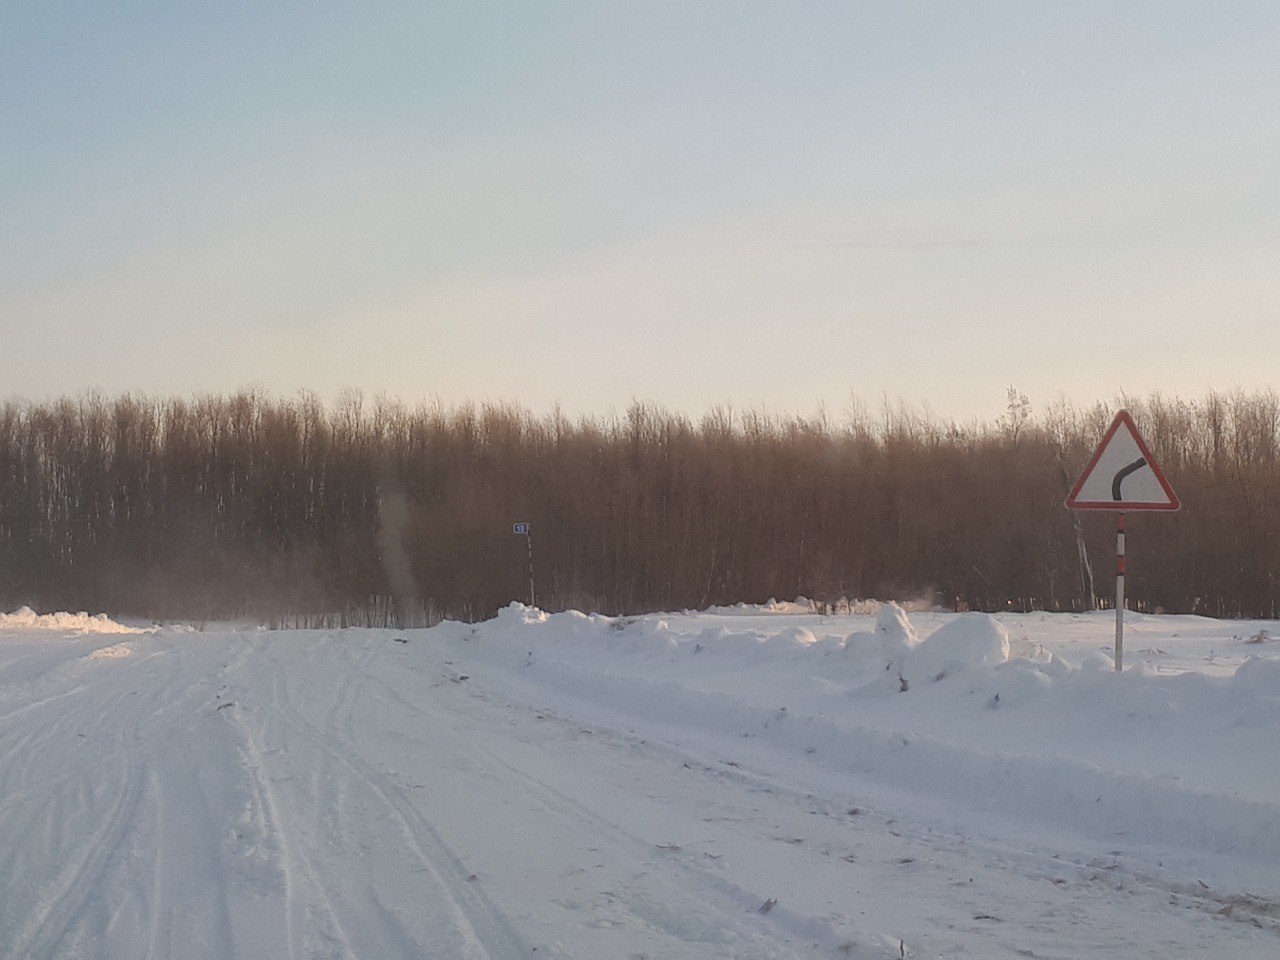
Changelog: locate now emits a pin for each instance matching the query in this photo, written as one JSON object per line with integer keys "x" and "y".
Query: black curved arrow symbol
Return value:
{"x": 1124, "y": 472}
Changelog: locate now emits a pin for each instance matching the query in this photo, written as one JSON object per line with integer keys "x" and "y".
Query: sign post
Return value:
{"x": 523, "y": 529}
{"x": 1119, "y": 591}
{"x": 1122, "y": 476}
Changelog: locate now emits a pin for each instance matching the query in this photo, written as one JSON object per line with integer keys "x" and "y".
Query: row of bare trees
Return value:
{"x": 374, "y": 512}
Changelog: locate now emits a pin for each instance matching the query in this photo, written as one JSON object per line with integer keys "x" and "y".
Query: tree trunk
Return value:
{"x": 1086, "y": 571}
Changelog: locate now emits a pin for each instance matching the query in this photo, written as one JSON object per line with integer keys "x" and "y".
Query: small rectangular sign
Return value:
{"x": 520, "y": 528}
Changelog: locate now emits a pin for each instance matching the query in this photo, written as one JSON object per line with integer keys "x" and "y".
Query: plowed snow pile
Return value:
{"x": 27, "y": 619}
{"x": 750, "y": 782}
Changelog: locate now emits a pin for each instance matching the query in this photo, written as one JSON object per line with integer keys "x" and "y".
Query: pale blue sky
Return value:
{"x": 756, "y": 204}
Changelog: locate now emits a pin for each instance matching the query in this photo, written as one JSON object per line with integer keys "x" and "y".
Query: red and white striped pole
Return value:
{"x": 532, "y": 597}
{"x": 1119, "y": 591}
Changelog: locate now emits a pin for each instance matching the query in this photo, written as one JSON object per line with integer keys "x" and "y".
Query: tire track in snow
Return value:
{"x": 658, "y": 900}
{"x": 343, "y": 780}
{"x": 493, "y": 935}
{"x": 134, "y": 756}
{"x": 294, "y": 855}
{"x": 62, "y": 901}
{"x": 733, "y": 904}
{"x": 186, "y": 850}
{"x": 309, "y": 913}
{"x": 34, "y": 705}
{"x": 481, "y": 926}
{"x": 48, "y": 657}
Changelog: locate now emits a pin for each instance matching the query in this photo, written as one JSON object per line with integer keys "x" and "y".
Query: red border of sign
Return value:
{"x": 1073, "y": 504}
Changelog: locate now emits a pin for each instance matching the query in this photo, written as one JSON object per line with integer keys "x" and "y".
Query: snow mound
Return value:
{"x": 1258, "y": 677}
{"x": 798, "y": 637}
{"x": 116, "y": 652}
{"x": 897, "y": 635}
{"x": 971, "y": 640}
{"x": 516, "y": 613}
{"x": 27, "y": 619}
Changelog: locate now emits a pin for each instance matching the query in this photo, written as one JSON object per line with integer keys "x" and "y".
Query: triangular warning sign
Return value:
{"x": 1122, "y": 474}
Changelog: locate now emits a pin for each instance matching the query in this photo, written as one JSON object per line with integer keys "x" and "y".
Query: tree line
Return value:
{"x": 376, "y": 512}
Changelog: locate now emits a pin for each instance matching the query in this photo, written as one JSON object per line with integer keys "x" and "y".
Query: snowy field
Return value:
{"x": 747, "y": 783}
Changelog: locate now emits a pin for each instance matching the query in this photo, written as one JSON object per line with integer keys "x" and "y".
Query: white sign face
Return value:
{"x": 1123, "y": 475}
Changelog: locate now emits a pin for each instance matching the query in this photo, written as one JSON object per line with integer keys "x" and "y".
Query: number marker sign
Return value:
{"x": 522, "y": 529}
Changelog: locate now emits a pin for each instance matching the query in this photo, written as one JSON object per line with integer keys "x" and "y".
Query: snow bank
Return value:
{"x": 972, "y": 640}
{"x": 799, "y": 607}
{"x": 1258, "y": 677}
{"x": 26, "y": 619}
{"x": 953, "y": 714}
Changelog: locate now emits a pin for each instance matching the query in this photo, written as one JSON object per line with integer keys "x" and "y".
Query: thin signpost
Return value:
{"x": 1119, "y": 591}
{"x": 525, "y": 530}
{"x": 1121, "y": 477}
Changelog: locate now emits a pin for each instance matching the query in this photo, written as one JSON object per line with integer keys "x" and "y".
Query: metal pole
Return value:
{"x": 1119, "y": 591}
{"x": 529, "y": 537}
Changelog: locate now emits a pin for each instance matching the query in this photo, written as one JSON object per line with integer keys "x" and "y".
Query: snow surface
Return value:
{"x": 748, "y": 782}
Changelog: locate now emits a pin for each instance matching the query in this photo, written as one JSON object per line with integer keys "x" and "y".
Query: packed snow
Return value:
{"x": 746, "y": 782}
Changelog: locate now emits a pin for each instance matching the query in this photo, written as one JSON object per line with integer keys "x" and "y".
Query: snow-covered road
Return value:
{"x": 705, "y": 785}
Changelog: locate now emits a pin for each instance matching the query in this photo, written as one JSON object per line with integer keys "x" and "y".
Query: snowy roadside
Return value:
{"x": 724, "y": 784}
